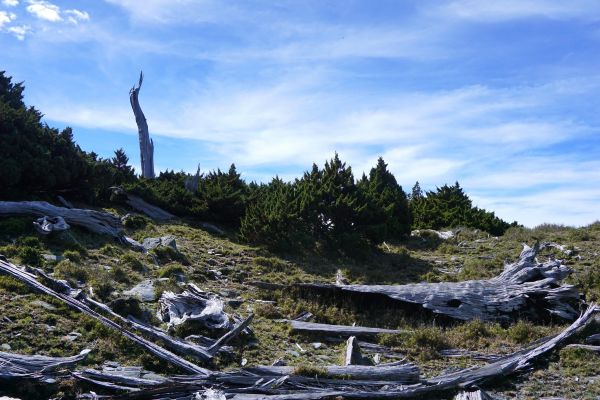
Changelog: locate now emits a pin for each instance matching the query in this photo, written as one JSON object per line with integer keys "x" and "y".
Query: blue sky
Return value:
{"x": 499, "y": 95}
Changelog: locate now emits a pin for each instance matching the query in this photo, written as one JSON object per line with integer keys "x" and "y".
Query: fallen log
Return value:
{"x": 338, "y": 330}
{"x": 588, "y": 347}
{"x": 525, "y": 288}
{"x": 193, "y": 305}
{"x": 72, "y": 302}
{"x": 35, "y": 366}
{"x": 95, "y": 221}
{"x": 139, "y": 204}
{"x": 280, "y": 383}
{"x": 593, "y": 339}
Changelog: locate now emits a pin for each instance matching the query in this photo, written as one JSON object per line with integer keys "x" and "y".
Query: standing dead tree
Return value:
{"x": 146, "y": 144}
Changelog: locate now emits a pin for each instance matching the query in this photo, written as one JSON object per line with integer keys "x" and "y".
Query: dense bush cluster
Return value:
{"x": 325, "y": 208}
{"x": 36, "y": 159}
{"x": 449, "y": 206}
{"x": 328, "y": 207}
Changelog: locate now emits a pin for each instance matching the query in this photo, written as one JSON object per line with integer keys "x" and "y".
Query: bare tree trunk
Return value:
{"x": 146, "y": 144}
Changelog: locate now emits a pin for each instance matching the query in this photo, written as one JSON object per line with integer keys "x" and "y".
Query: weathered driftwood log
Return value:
{"x": 23, "y": 366}
{"x": 146, "y": 144}
{"x": 46, "y": 225}
{"x": 338, "y": 330}
{"x": 399, "y": 373}
{"x": 279, "y": 383}
{"x": 587, "y": 347}
{"x": 72, "y": 302}
{"x": 95, "y": 221}
{"x": 139, "y": 204}
{"x": 525, "y": 288}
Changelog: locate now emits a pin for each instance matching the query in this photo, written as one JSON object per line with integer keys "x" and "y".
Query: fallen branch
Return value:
{"x": 95, "y": 221}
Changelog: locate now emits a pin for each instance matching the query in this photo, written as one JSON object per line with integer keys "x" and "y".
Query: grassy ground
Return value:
{"x": 32, "y": 323}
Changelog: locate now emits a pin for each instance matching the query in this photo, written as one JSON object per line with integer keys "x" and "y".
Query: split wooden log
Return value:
{"x": 35, "y": 366}
{"x": 338, "y": 330}
{"x": 193, "y": 305}
{"x": 74, "y": 303}
{"x": 146, "y": 144}
{"x": 139, "y": 204}
{"x": 95, "y": 221}
{"x": 526, "y": 288}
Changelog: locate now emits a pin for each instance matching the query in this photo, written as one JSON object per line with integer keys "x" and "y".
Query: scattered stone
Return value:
{"x": 72, "y": 336}
{"x": 244, "y": 362}
{"x": 5, "y": 346}
{"x": 52, "y": 257}
{"x": 43, "y": 304}
{"x": 143, "y": 291}
{"x": 293, "y": 353}
{"x": 317, "y": 345}
{"x": 166, "y": 241}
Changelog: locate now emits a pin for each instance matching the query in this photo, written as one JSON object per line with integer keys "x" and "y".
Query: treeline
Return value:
{"x": 327, "y": 207}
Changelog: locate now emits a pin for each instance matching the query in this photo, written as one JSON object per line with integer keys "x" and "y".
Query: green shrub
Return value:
{"x": 29, "y": 241}
{"x": 73, "y": 256}
{"x": 578, "y": 361}
{"x": 136, "y": 221}
{"x": 31, "y": 256}
{"x": 12, "y": 285}
{"x": 166, "y": 254}
{"x": 119, "y": 274}
{"x": 170, "y": 270}
{"x": 267, "y": 310}
{"x": 310, "y": 371}
{"x": 9, "y": 250}
{"x": 70, "y": 271}
{"x": 270, "y": 263}
{"x": 133, "y": 262}
{"x": 524, "y": 332}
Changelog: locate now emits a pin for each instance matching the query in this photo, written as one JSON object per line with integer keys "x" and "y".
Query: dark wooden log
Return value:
{"x": 338, "y": 330}
{"x": 146, "y": 144}
{"x": 96, "y": 221}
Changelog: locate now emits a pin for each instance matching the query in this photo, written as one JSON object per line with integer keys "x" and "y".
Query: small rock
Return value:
{"x": 143, "y": 290}
{"x": 317, "y": 345}
{"x": 293, "y": 353}
{"x": 244, "y": 362}
{"x": 43, "y": 304}
{"x": 5, "y": 346}
{"x": 279, "y": 363}
{"x": 52, "y": 257}
{"x": 72, "y": 336}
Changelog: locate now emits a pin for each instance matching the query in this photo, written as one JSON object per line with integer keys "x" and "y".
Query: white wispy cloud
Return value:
{"x": 75, "y": 16}
{"x": 10, "y": 3}
{"x": 6, "y": 17}
{"x": 492, "y": 11}
{"x": 44, "y": 10}
{"x": 20, "y": 32}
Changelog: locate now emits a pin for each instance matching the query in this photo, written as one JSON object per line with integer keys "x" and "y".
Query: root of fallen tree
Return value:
{"x": 526, "y": 288}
